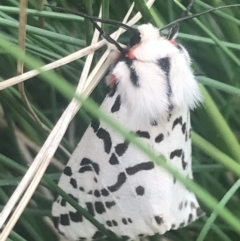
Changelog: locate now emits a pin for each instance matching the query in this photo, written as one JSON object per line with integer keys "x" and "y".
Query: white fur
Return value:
{"x": 150, "y": 100}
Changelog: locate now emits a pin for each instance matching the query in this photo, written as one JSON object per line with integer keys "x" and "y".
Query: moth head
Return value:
{"x": 172, "y": 34}
{"x": 154, "y": 76}
{"x": 144, "y": 33}
{"x": 147, "y": 44}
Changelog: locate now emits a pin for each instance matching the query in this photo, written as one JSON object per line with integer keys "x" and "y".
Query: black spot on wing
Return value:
{"x": 85, "y": 169}
{"x": 64, "y": 220}
{"x": 97, "y": 193}
{"x": 67, "y": 171}
{"x": 159, "y": 220}
{"x": 169, "y": 117}
{"x": 116, "y": 105}
{"x": 144, "y": 166}
{"x": 177, "y": 153}
{"x": 192, "y": 205}
{"x": 165, "y": 65}
{"x": 173, "y": 226}
{"x": 95, "y": 125}
{"x": 176, "y": 122}
{"x": 182, "y": 224}
{"x": 73, "y": 182}
{"x": 186, "y": 136}
{"x": 76, "y": 216}
{"x": 113, "y": 160}
{"x": 184, "y": 164}
{"x": 140, "y": 190}
{"x": 110, "y": 204}
{"x": 159, "y": 138}
{"x": 133, "y": 74}
{"x": 105, "y": 136}
{"x": 190, "y": 218}
{"x": 184, "y": 128}
{"x": 170, "y": 107}
{"x": 99, "y": 207}
{"x": 124, "y": 221}
{"x": 88, "y": 165}
{"x": 85, "y": 161}
{"x": 109, "y": 223}
{"x": 143, "y": 134}
{"x": 55, "y": 221}
{"x": 121, "y": 148}
{"x": 153, "y": 123}
{"x": 174, "y": 180}
{"x": 180, "y": 206}
{"x": 90, "y": 208}
{"x": 200, "y": 212}
{"x": 129, "y": 220}
{"x": 121, "y": 179}
{"x": 113, "y": 90}
{"x": 114, "y": 223}
{"x": 63, "y": 202}
{"x": 98, "y": 235}
{"x": 104, "y": 192}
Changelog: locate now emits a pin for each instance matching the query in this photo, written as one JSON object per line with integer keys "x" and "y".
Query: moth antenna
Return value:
{"x": 197, "y": 15}
{"x": 104, "y": 34}
{"x": 96, "y": 19}
{"x": 186, "y": 11}
{"x": 108, "y": 37}
{"x": 174, "y": 30}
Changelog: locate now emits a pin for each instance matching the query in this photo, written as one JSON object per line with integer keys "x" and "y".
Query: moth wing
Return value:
{"x": 97, "y": 179}
{"x": 120, "y": 186}
{"x": 184, "y": 205}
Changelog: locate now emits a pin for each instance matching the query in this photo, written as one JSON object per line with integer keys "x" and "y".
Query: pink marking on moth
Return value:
{"x": 130, "y": 54}
{"x": 112, "y": 80}
{"x": 173, "y": 42}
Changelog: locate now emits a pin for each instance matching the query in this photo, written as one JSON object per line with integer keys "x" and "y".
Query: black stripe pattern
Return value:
{"x": 133, "y": 74}
{"x": 121, "y": 179}
{"x": 88, "y": 165}
{"x": 144, "y": 166}
{"x": 107, "y": 141}
{"x": 165, "y": 65}
{"x": 116, "y": 105}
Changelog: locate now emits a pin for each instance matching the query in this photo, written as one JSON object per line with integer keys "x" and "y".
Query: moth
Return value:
{"x": 152, "y": 90}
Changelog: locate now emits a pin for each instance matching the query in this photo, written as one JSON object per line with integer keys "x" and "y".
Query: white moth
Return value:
{"x": 152, "y": 92}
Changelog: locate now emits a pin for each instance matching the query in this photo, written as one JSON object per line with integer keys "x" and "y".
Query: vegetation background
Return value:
{"x": 213, "y": 42}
